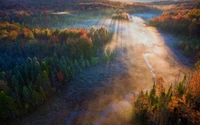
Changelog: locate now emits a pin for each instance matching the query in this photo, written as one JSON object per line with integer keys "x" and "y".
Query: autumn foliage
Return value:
{"x": 194, "y": 85}
{"x": 183, "y": 21}
{"x": 60, "y": 76}
{"x": 178, "y": 105}
{"x": 36, "y": 62}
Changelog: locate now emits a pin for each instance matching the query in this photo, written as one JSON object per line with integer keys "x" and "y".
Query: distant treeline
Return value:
{"x": 35, "y": 63}
{"x": 33, "y": 12}
{"x": 179, "y": 22}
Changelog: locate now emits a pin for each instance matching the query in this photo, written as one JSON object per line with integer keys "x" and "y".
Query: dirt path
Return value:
{"x": 102, "y": 94}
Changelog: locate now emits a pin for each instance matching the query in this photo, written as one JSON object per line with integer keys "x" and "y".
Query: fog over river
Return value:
{"x": 106, "y": 93}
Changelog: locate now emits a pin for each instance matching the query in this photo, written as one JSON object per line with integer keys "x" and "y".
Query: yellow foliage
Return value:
{"x": 4, "y": 34}
{"x": 159, "y": 86}
{"x": 48, "y": 32}
{"x": 13, "y": 35}
{"x": 37, "y": 31}
{"x": 183, "y": 99}
{"x": 173, "y": 104}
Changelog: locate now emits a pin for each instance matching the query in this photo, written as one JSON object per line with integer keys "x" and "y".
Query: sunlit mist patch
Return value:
{"x": 62, "y": 13}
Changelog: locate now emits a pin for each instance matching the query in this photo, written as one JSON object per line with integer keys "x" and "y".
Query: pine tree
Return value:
{"x": 26, "y": 94}
{"x": 3, "y": 75}
{"x": 44, "y": 66}
{"x": 35, "y": 69}
{"x": 35, "y": 97}
{"x": 152, "y": 95}
{"x": 77, "y": 66}
{"x": 39, "y": 79}
{"x": 3, "y": 86}
{"x": 42, "y": 94}
{"x": 15, "y": 82}
{"x": 87, "y": 63}
{"x": 83, "y": 64}
{"x": 45, "y": 80}
{"x": 55, "y": 59}
{"x": 20, "y": 78}
{"x": 82, "y": 61}
{"x": 53, "y": 79}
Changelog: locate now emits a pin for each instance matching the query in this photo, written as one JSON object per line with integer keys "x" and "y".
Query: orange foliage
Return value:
{"x": 37, "y": 31}
{"x": 13, "y": 35}
{"x": 195, "y": 84}
{"x": 195, "y": 117}
{"x": 142, "y": 103}
{"x": 13, "y": 27}
{"x": 9, "y": 27}
{"x": 54, "y": 38}
{"x": 48, "y": 32}
{"x": 173, "y": 103}
{"x": 28, "y": 34}
{"x": 60, "y": 76}
{"x": 83, "y": 33}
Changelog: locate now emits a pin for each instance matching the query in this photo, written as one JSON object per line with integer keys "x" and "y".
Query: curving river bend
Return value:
{"x": 103, "y": 95}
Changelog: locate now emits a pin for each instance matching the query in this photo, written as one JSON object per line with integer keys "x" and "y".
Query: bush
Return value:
{"x": 94, "y": 60}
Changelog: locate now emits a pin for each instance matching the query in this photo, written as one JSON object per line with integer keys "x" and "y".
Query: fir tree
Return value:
{"x": 26, "y": 94}
{"x": 42, "y": 94}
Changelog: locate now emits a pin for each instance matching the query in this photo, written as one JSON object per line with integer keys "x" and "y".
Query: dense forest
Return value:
{"x": 183, "y": 21}
{"x": 179, "y": 104}
{"x": 37, "y": 60}
{"x": 35, "y": 63}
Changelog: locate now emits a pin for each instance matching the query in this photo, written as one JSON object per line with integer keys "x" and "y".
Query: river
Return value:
{"x": 103, "y": 95}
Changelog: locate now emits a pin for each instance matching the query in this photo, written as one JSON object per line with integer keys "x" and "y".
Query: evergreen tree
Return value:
{"x": 20, "y": 78}
{"x": 35, "y": 98}
{"x": 87, "y": 63}
{"x": 7, "y": 106}
{"x": 26, "y": 94}
{"x": 55, "y": 59}
{"x": 3, "y": 75}
{"x": 42, "y": 94}
{"x": 45, "y": 80}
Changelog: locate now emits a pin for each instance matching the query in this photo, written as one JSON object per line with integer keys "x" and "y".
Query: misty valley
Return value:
{"x": 99, "y": 62}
